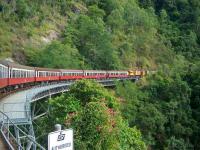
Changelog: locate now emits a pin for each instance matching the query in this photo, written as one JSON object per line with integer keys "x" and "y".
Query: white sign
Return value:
{"x": 61, "y": 140}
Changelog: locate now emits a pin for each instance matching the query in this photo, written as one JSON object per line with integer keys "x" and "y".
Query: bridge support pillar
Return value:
{"x": 17, "y": 138}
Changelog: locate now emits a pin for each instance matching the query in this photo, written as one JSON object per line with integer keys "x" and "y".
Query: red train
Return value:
{"x": 13, "y": 75}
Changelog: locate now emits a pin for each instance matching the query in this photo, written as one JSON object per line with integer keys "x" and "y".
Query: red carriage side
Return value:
{"x": 94, "y": 74}
{"x": 117, "y": 74}
{"x": 46, "y": 74}
{"x": 71, "y": 74}
{"x": 3, "y": 75}
{"x": 18, "y": 74}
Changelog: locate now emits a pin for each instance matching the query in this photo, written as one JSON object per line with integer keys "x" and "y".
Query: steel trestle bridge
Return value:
{"x": 17, "y": 111}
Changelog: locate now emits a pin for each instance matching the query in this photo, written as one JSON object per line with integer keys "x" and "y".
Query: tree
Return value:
{"x": 93, "y": 42}
{"x": 193, "y": 79}
{"x": 160, "y": 109}
{"x": 95, "y": 117}
{"x": 22, "y": 9}
{"x": 56, "y": 55}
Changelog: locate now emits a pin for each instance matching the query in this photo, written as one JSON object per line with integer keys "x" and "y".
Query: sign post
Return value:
{"x": 61, "y": 140}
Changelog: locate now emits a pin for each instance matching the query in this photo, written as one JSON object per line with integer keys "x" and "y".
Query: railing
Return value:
{"x": 20, "y": 111}
{"x": 9, "y": 130}
{"x": 48, "y": 92}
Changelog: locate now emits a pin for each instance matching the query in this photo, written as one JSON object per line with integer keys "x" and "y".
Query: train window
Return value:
{"x": 24, "y": 74}
{"x": 1, "y": 72}
{"x": 20, "y": 74}
{"x": 42, "y": 74}
{"x": 15, "y": 73}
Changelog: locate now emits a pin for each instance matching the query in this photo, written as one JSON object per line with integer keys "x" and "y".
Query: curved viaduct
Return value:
{"x": 16, "y": 115}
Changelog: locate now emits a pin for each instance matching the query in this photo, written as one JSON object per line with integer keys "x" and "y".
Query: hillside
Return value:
{"x": 160, "y": 111}
{"x": 89, "y": 34}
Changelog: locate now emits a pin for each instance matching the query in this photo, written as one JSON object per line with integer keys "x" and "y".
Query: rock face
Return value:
{"x": 51, "y": 36}
{"x": 3, "y": 146}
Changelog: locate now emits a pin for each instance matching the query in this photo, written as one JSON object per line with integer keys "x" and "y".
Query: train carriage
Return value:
{"x": 46, "y": 74}
{"x": 71, "y": 74}
{"x": 18, "y": 74}
{"x": 95, "y": 74}
{"x": 117, "y": 74}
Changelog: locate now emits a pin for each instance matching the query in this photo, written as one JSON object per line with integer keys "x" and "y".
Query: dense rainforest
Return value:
{"x": 161, "y": 111}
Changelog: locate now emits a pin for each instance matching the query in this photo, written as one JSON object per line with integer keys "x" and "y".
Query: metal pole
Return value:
{"x": 58, "y": 127}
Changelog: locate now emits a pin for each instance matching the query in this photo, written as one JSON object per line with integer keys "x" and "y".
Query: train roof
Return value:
{"x": 15, "y": 65}
{"x": 94, "y": 71}
{"x": 117, "y": 71}
{"x": 70, "y": 70}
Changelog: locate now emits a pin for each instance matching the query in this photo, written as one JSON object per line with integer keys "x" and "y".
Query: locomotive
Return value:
{"x": 14, "y": 75}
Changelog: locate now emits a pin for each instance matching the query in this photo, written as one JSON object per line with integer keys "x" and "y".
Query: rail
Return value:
{"x": 11, "y": 140}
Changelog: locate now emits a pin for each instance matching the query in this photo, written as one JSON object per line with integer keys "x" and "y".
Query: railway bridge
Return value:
{"x": 17, "y": 112}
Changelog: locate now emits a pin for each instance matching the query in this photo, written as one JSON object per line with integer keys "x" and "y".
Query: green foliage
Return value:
{"x": 56, "y": 55}
{"x": 92, "y": 41}
{"x": 181, "y": 25}
{"x": 105, "y": 34}
{"x": 193, "y": 79}
{"x": 71, "y": 105}
{"x": 177, "y": 144}
{"x": 22, "y": 9}
{"x": 160, "y": 109}
{"x": 94, "y": 115}
{"x": 115, "y": 34}
{"x": 87, "y": 91}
